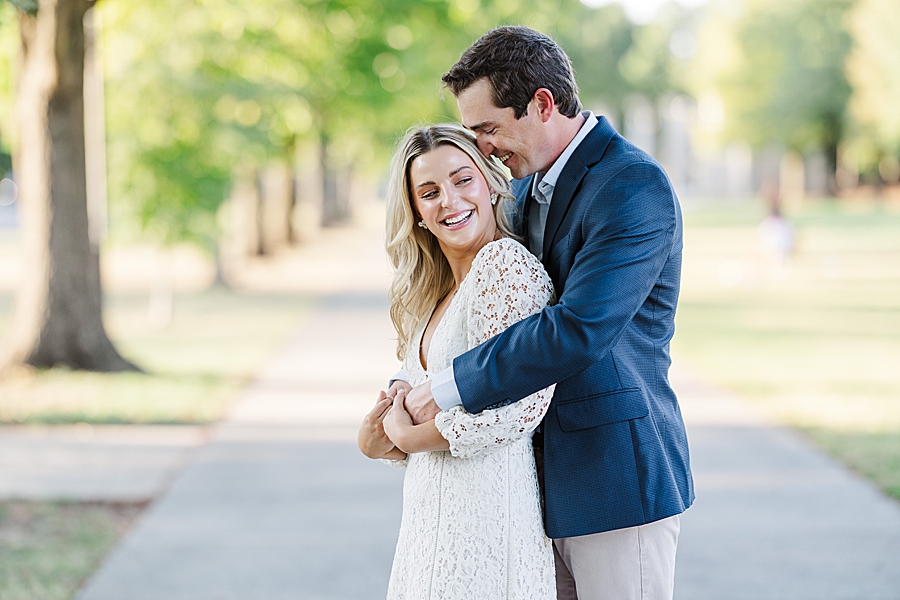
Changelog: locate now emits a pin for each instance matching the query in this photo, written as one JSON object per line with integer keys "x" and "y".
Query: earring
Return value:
{"x": 422, "y": 225}
{"x": 494, "y": 198}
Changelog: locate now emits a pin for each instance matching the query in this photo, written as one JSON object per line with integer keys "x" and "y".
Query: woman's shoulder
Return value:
{"x": 507, "y": 258}
{"x": 504, "y": 250}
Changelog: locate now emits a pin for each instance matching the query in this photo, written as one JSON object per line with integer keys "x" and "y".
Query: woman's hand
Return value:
{"x": 398, "y": 385}
{"x": 398, "y": 424}
{"x": 407, "y": 436}
{"x": 372, "y": 439}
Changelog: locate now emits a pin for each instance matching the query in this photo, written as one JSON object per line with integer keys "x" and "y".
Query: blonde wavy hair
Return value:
{"x": 422, "y": 275}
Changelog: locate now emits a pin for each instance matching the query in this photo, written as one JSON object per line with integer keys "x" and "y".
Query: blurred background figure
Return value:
{"x": 777, "y": 233}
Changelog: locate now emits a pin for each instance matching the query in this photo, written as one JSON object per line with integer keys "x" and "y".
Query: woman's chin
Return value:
{"x": 465, "y": 244}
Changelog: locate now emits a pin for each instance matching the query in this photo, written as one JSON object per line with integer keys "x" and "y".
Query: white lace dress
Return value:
{"x": 471, "y": 526}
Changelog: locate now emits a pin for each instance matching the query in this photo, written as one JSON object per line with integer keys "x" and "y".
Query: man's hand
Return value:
{"x": 420, "y": 403}
{"x": 398, "y": 385}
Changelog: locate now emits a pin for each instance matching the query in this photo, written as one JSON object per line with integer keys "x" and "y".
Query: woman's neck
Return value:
{"x": 460, "y": 267}
{"x": 460, "y": 260}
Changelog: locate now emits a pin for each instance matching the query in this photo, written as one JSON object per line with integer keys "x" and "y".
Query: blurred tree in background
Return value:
{"x": 205, "y": 94}
{"x": 789, "y": 85}
{"x": 873, "y": 69}
{"x": 58, "y": 318}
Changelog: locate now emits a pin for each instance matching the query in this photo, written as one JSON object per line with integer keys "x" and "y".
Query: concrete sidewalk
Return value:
{"x": 776, "y": 519}
{"x": 280, "y": 504}
{"x": 121, "y": 463}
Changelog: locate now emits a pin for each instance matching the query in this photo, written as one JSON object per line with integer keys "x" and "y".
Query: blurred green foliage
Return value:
{"x": 807, "y": 75}
{"x": 873, "y": 69}
{"x": 791, "y": 87}
{"x": 198, "y": 89}
{"x": 199, "y": 92}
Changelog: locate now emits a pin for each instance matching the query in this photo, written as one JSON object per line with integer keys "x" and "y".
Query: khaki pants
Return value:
{"x": 636, "y": 563}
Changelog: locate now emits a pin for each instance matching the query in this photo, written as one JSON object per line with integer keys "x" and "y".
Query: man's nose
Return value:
{"x": 484, "y": 144}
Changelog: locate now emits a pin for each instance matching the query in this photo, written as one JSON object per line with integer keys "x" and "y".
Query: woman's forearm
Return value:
{"x": 422, "y": 438}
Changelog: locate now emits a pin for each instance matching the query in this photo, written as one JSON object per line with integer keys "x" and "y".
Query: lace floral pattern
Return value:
{"x": 471, "y": 525}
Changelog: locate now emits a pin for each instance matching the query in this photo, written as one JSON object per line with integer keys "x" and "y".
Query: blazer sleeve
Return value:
{"x": 509, "y": 285}
{"x": 629, "y": 234}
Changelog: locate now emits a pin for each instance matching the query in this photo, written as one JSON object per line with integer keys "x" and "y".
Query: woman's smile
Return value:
{"x": 458, "y": 220}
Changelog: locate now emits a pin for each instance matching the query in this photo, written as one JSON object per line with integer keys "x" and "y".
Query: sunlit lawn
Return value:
{"x": 816, "y": 342}
{"x": 47, "y": 549}
{"x": 195, "y": 366}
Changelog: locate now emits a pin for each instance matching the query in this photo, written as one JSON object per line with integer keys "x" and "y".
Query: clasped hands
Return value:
{"x": 389, "y": 429}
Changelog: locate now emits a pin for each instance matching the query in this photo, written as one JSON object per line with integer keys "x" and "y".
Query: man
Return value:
{"x": 603, "y": 218}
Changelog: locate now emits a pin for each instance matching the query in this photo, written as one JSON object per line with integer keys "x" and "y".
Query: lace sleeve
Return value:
{"x": 509, "y": 285}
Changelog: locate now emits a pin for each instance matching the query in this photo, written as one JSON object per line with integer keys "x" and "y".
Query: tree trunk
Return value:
{"x": 306, "y": 220}
{"x": 335, "y": 189}
{"x": 58, "y": 318}
{"x": 833, "y": 134}
{"x": 276, "y": 184}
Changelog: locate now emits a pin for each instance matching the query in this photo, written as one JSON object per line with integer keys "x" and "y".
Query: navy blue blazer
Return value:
{"x": 615, "y": 448}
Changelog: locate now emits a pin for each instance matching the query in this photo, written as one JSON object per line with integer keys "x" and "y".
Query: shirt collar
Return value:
{"x": 542, "y": 186}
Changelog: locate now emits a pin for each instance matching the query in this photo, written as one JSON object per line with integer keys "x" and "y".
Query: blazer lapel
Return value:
{"x": 587, "y": 154}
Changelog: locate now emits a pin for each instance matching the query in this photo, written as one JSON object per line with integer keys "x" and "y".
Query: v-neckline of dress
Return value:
{"x": 436, "y": 329}
{"x": 441, "y": 322}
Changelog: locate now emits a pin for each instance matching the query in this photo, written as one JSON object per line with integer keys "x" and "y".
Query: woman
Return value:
{"x": 471, "y": 525}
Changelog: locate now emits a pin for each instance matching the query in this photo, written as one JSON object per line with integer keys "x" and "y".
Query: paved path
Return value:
{"x": 280, "y": 504}
{"x": 774, "y": 518}
{"x": 128, "y": 463}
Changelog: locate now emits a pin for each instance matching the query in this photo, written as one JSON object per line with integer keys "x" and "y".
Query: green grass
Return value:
{"x": 816, "y": 342}
{"x": 47, "y": 549}
{"x": 195, "y": 366}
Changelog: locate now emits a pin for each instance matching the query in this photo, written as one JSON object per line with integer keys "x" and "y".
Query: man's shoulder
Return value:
{"x": 628, "y": 179}
{"x": 610, "y": 157}
{"x": 620, "y": 154}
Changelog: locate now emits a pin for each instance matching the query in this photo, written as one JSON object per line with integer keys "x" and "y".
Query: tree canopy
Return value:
{"x": 197, "y": 89}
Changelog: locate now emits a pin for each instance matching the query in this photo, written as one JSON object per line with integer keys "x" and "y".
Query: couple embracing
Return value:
{"x": 545, "y": 451}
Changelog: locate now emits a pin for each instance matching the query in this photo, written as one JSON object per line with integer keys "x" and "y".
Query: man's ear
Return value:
{"x": 543, "y": 100}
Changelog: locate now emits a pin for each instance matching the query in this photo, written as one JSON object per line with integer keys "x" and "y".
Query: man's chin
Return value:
{"x": 518, "y": 170}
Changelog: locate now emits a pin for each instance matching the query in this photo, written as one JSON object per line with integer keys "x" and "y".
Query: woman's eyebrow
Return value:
{"x": 451, "y": 174}
{"x": 455, "y": 171}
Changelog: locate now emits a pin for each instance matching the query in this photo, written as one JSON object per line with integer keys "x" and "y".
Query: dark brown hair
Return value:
{"x": 517, "y": 61}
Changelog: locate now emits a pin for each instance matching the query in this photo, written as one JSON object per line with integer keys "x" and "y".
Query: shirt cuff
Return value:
{"x": 444, "y": 390}
{"x": 398, "y": 376}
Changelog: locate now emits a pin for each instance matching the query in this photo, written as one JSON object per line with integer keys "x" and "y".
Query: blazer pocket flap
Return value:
{"x": 602, "y": 409}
